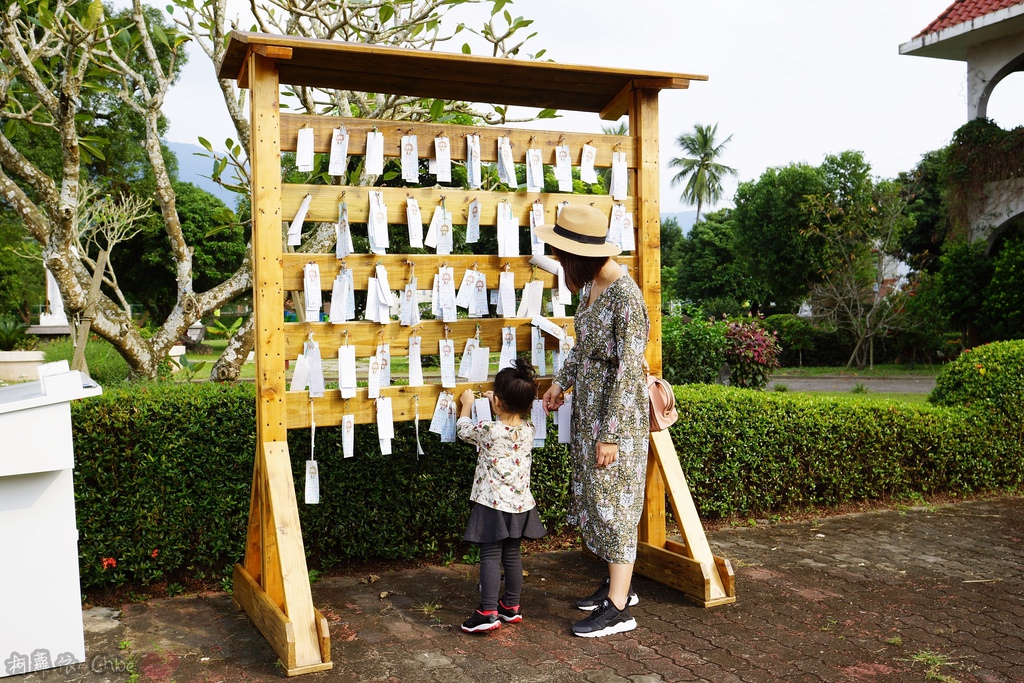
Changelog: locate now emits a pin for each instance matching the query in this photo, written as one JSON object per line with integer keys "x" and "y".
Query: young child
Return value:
{"x": 504, "y": 512}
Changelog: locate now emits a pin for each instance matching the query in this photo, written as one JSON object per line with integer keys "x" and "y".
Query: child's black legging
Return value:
{"x": 492, "y": 557}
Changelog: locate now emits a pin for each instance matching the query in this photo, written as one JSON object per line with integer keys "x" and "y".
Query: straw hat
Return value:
{"x": 580, "y": 229}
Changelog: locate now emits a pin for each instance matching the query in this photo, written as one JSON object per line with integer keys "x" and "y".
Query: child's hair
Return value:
{"x": 515, "y": 386}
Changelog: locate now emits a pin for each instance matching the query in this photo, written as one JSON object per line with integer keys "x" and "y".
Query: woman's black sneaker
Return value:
{"x": 594, "y": 601}
{"x": 604, "y": 621}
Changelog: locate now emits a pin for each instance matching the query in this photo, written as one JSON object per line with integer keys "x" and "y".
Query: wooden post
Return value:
{"x": 273, "y": 584}
{"x": 690, "y": 567}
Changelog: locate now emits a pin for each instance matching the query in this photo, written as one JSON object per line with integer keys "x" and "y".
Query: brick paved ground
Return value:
{"x": 915, "y": 595}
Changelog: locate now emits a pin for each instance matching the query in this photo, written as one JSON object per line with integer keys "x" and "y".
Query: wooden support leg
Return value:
{"x": 689, "y": 567}
{"x": 279, "y": 602}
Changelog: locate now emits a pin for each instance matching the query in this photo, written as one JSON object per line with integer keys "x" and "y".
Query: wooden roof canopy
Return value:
{"x": 421, "y": 73}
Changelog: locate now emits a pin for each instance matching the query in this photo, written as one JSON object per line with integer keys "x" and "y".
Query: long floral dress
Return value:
{"x": 609, "y": 404}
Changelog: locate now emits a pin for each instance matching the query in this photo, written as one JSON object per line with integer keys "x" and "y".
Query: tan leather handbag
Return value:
{"x": 663, "y": 403}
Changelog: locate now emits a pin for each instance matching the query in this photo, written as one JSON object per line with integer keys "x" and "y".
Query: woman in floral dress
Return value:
{"x": 610, "y": 409}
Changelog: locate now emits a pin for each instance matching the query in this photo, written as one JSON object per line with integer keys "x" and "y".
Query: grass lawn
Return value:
{"x": 878, "y": 371}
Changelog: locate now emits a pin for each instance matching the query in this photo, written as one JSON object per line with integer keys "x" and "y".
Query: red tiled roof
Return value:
{"x": 965, "y": 10}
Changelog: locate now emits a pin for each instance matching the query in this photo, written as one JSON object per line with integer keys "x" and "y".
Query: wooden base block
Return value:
{"x": 275, "y": 625}
{"x": 688, "y": 576}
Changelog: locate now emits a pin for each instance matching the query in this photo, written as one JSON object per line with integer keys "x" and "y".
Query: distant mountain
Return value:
{"x": 686, "y": 219}
{"x": 192, "y": 169}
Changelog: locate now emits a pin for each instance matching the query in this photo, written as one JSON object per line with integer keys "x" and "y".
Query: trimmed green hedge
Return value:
{"x": 163, "y": 473}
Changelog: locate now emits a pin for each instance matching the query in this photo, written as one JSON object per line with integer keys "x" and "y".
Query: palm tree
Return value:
{"x": 700, "y": 170}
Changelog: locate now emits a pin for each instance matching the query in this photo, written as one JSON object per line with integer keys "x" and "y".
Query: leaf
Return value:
{"x": 466, "y": 50}
{"x": 160, "y": 35}
{"x": 548, "y": 114}
{"x": 206, "y": 143}
{"x": 436, "y": 109}
{"x": 386, "y": 12}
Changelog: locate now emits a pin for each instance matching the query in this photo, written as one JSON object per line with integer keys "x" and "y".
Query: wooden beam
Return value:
{"x": 643, "y": 118}
{"x": 273, "y": 51}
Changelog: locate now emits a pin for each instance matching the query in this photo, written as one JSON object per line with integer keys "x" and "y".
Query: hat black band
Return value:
{"x": 576, "y": 237}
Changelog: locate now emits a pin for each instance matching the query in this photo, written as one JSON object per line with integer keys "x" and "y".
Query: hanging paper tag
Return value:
{"x": 478, "y": 302}
{"x": 441, "y": 410}
{"x": 446, "y": 348}
{"x": 628, "y": 233}
{"x": 506, "y": 164}
{"x": 338, "y": 300}
{"x": 316, "y": 370}
{"x": 372, "y": 312}
{"x": 442, "y": 160}
{"x": 343, "y": 233}
{"x": 537, "y": 356}
{"x": 374, "y": 162}
{"x": 465, "y": 293}
{"x": 534, "y": 295}
{"x": 312, "y": 483}
{"x": 558, "y": 358}
{"x": 300, "y": 375}
{"x": 338, "y": 164}
{"x": 295, "y": 228}
{"x": 347, "y": 371}
{"x": 564, "y": 420}
{"x": 348, "y": 429}
{"x": 564, "y": 294}
{"x": 508, "y": 348}
{"x": 350, "y": 293}
{"x": 616, "y": 224}
{"x": 480, "y": 364}
{"x": 506, "y": 294}
{"x": 563, "y": 168}
{"x": 378, "y": 219}
{"x": 385, "y": 419}
{"x": 415, "y": 362}
{"x": 549, "y": 327}
{"x": 313, "y": 295}
{"x": 481, "y": 410}
{"x": 587, "y": 172}
{"x": 373, "y": 378}
{"x": 384, "y": 353}
{"x": 446, "y": 234}
{"x": 386, "y": 295}
{"x": 410, "y": 159}
{"x": 416, "y": 427}
{"x": 473, "y": 222}
{"x": 618, "y": 181}
{"x": 435, "y": 228}
{"x": 304, "y": 151}
{"x": 466, "y": 362}
{"x": 448, "y": 431}
{"x": 415, "y": 220}
{"x": 540, "y": 423}
{"x": 474, "y": 176}
{"x": 534, "y": 171}
{"x": 446, "y": 291}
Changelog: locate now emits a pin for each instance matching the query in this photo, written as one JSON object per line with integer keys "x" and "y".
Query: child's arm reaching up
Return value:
{"x": 466, "y": 399}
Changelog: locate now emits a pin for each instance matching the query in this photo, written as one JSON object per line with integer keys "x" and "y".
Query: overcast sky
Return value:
{"x": 790, "y": 80}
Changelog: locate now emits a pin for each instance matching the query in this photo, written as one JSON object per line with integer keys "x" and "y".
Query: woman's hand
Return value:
{"x": 607, "y": 453}
{"x": 553, "y": 398}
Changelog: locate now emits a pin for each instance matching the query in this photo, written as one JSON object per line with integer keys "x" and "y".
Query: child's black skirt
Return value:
{"x": 487, "y": 525}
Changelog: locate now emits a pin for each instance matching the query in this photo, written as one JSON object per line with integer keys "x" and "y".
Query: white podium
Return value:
{"x": 40, "y": 596}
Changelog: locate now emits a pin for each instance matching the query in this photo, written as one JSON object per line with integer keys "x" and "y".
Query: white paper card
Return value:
{"x": 385, "y": 419}
{"x": 466, "y": 288}
{"x": 343, "y": 233}
{"x": 508, "y": 348}
{"x": 386, "y": 295}
{"x": 506, "y": 161}
{"x": 549, "y": 327}
{"x": 481, "y": 410}
{"x": 540, "y": 420}
{"x": 316, "y": 370}
{"x": 534, "y": 295}
{"x": 295, "y": 228}
{"x": 564, "y": 420}
{"x": 478, "y": 306}
{"x": 446, "y": 234}
{"x": 473, "y": 172}
{"x": 441, "y": 410}
{"x": 446, "y": 288}
{"x": 312, "y": 482}
{"x": 480, "y": 365}
{"x": 588, "y": 173}
{"x": 506, "y": 294}
{"x": 338, "y": 164}
{"x": 538, "y": 358}
{"x": 559, "y": 357}
{"x": 628, "y": 234}
{"x": 377, "y": 224}
{"x": 384, "y": 354}
{"x": 410, "y": 159}
{"x": 304, "y": 150}
{"x": 442, "y": 159}
{"x": 347, "y": 371}
{"x": 300, "y": 375}
{"x": 374, "y": 162}
{"x": 618, "y": 181}
{"x": 372, "y": 312}
{"x": 534, "y": 171}
{"x": 446, "y": 349}
{"x": 312, "y": 291}
{"x": 373, "y": 378}
{"x": 348, "y": 430}
{"x": 415, "y": 362}
{"x": 466, "y": 362}
{"x": 473, "y": 222}
{"x": 415, "y": 221}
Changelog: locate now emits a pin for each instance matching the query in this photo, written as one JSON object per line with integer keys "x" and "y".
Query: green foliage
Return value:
{"x": 924, "y": 188}
{"x": 962, "y": 279}
{"x": 106, "y": 365}
{"x": 989, "y": 378}
{"x": 12, "y": 334}
{"x": 22, "y": 278}
{"x": 752, "y": 453}
{"x": 163, "y": 473}
{"x": 693, "y": 350}
{"x": 1002, "y": 314}
{"x": 981, "y": 152}
{"x": 701, "y": 172}
{"x": 752, "y": 353}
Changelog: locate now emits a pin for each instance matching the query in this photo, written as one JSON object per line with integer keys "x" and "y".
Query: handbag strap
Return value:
{"x": 666, "y": 390}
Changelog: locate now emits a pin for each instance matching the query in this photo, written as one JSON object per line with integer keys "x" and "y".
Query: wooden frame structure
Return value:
{"x": 272, "y": 584}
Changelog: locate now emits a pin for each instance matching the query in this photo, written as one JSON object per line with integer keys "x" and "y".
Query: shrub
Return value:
{"x": 106, "y": 365}
{"x": 989, "y": 378}
{"x": 752, "y": 353}
{"x": 12, "y": 334}
{"x": 693, "y": 350}
{"x": 803, "y": 343}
